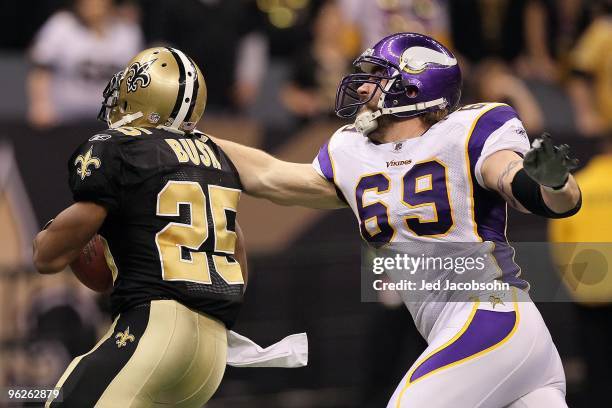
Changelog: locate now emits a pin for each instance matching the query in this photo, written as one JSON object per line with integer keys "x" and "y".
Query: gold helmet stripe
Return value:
{"x": 187, "y": 74}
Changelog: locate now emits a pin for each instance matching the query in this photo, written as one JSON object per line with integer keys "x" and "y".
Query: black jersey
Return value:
{"x": 170, "y": 229}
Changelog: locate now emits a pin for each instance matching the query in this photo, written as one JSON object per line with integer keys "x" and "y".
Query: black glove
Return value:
{"x": 549, "y": 165}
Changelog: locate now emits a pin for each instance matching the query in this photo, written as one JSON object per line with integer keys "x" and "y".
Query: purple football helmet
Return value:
{"x": 421, "y": 76}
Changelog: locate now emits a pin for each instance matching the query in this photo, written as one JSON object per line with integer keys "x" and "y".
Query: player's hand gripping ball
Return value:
{"x": 91, "y": 267}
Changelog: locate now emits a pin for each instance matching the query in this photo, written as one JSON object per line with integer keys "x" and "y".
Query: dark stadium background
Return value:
{"x": 304, "y": 264}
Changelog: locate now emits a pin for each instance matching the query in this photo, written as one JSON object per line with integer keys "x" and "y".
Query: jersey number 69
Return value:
{"x": 423, "y": 186}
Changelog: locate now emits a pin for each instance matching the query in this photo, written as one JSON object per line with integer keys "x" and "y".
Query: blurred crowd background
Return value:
{"x": 272, "y": 67}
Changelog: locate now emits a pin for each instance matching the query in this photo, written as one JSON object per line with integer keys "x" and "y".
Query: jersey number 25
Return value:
{"x": 175, "y": 236}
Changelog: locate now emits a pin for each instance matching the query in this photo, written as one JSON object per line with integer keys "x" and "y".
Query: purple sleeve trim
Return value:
{"x": 325, "y": 162}
{"x": 486, "y": 125}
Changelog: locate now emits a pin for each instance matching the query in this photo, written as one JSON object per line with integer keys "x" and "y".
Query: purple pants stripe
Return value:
{"x": 486, "y": 329}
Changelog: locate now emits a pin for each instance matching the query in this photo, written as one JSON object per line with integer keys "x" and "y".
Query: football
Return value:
{"x": 91, "y": 267}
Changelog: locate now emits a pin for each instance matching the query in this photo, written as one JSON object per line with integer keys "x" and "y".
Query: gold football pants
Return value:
{"x": 157, "y": 354}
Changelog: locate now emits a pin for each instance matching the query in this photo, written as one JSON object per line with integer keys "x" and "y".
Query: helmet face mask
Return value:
{"x": 348, "y": 100}
{"x": 111, "y": 97}
{"x": 160, "y": 87}
{"x": 415, "y": 74}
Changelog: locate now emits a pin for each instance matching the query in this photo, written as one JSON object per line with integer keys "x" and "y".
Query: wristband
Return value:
{"x": 557, "y": 190}
{"x": 528, "y": 193}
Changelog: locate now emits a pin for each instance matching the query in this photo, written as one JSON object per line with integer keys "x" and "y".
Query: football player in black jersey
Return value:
{"x": 163, "y": 196}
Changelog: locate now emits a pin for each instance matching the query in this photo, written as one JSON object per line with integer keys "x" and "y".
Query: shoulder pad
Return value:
{"x": 469, "y": 113}
{"x": 477, "y": 109}
{"x": 129, "y": 131}
{"x": 340, "y": 135}
{"x": 201, "y": 135}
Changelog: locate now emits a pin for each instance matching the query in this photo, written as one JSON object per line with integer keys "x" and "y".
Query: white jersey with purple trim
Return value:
{"x": 429, "y": 190}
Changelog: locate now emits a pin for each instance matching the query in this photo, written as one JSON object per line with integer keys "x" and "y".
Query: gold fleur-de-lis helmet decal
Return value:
{"x": 138, "y": 75}
{"x": 84, "y": 161}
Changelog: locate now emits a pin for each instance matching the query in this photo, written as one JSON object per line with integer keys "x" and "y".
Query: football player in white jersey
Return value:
{"x": 415, "y": 168}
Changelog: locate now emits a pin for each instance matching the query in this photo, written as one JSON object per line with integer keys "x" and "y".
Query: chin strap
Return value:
{"x": 171, "y": 129}
{"x": 366, "y": 121}
{"x": 126, "y": 119}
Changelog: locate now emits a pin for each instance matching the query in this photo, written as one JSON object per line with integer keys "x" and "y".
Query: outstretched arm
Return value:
{"x": 540, "y": 183}
{"x": 286, "y": 183}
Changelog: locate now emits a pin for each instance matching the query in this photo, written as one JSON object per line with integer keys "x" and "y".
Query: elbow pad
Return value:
{"x": 528, "y": 193}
